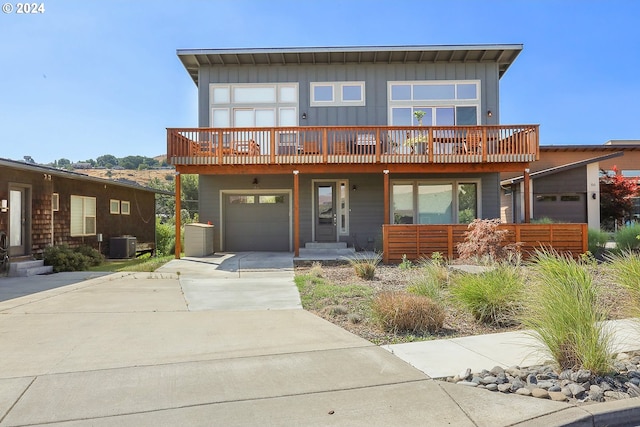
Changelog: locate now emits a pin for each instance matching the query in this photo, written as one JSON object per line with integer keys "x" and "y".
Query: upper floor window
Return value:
{"x": 444, "y": 103}
{"x": 325, "y": 94}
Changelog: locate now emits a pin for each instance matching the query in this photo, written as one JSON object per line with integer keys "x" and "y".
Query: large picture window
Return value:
{"x": 250, "y": 105}
{"x": 437, "y": 202}
{"x": 445, "y": 103}
{"x": 83, "y": 216}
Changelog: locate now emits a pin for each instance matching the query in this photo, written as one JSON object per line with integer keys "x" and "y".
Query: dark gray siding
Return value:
{"x": 573, "y": 180}
{"x": 366, "y": 203}
{"x": 375, "y": 77}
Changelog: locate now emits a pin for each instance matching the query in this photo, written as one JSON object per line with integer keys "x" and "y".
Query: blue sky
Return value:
{"x": 88, "y": 78}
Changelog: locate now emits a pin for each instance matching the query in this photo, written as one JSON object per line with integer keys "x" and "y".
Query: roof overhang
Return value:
{"x": 502, "y": 54}
{"x": 562, "y": 168}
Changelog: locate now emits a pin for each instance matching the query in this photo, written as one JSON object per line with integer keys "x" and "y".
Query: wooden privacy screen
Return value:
{"x": 420, "y": 241}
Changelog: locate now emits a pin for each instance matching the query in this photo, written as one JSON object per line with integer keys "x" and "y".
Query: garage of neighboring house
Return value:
{"x": 256, "y": 221}
{"x": 561, "y": 207}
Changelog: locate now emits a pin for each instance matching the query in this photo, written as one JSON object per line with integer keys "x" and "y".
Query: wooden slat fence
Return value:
{"x": 420, "y": 241}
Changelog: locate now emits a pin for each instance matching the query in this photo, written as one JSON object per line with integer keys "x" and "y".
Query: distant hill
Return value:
{"x": 142, "y": 177}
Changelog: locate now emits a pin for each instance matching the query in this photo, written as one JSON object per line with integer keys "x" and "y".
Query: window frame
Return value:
{"x": 455, "y": 184}
{"x": 123, "y": 210}
{"x": 84, "y": 216}
{"x": 55, "y": 202}
{"x": 114, "y": 207}
{"x": 433, "y": 104}
{"x": 338, "y": 95}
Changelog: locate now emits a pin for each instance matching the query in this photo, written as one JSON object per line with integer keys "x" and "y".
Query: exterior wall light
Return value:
{"x": 4, "y": 206}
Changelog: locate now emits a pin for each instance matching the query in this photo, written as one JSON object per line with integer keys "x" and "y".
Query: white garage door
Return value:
{"x": 256, "y": 222}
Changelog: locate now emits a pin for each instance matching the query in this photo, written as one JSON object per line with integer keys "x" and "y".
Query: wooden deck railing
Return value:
{"x": 342, "y": 144}
{"x": 420, "y": 241}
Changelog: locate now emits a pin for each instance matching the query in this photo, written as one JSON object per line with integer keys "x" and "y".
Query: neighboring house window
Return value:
{"x": 55, "y": 202}
{"x": 114, "y": 207}
{"x": 332, "y": 94}
{"x": 83, "y": 216}
{"x": 437, "y": 202}
{"x": 253, "y": 105}
{"x": 444, "y": 102}
{"x": 125, "y": 207}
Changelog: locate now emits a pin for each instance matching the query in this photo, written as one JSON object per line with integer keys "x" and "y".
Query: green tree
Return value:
{"x": 107, "y": 161}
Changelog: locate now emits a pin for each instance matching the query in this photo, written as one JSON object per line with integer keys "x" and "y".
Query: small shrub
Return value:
{"x": 403, "y": 312}
{"x": 483, "y": 241}
{"x": 437, "y": 258}
{"x": 564, "y": 315}
{"x": 597, "y": 240}
{"x": 337, "y": 310}
{"x": 63, "y": 258}
{"x": 431, "y": 281}
{"x": 365, "y": 264}
{"x": 94, "y": 258}
{"x": 492, "y": 297}
{"x": 354, "y": 318}
{"x": 406, "y": 264}
{"x": 626, "y": 238}
{"x": 543, "y": 220}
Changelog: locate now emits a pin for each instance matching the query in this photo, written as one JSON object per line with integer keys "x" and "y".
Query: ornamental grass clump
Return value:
{"x": 431, "y": 281}
{"x": 627, "y": 238}
{"x": 493, "y": 297}
{"x": 364, "y": 264}
{"x": 564, "y": 315}
{"x": 624, "y": 269}
{"x": 403, "y": 312}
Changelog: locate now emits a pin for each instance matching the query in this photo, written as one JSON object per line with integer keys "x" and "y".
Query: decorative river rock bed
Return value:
{"x": 577, "y": 387}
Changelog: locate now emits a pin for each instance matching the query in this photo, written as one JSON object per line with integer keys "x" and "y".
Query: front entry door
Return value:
{"x": 18, "y": 221}
{"x": 326, "y": 218}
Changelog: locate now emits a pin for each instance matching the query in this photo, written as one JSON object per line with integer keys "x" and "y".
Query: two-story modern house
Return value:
{"x": 303, "y": 145}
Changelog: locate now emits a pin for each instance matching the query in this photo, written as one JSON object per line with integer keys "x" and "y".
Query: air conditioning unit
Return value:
{"x": 122, "y": 247}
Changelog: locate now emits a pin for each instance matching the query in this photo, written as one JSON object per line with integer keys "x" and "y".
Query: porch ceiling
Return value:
{"x": 503, "y": 54}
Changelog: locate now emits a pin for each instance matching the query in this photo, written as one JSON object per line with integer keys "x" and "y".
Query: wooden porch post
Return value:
{"x": 386, "y": 196}
{"x": 527, "y": 198}
{"x": 178, "y": 216}
{"x": 296, "y": 214}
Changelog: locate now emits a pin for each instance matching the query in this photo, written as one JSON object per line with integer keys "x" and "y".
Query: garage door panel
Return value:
{"x": 257, "y": 226}
{"x": 561, "y": 207}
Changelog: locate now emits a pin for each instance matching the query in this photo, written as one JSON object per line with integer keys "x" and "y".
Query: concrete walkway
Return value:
{"x": 177, "y": 347}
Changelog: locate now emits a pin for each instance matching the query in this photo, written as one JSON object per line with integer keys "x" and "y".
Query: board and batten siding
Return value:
{"x": 366, "y": 203}
{"x": 375, "y": 77}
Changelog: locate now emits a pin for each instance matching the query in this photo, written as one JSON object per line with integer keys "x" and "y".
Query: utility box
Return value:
{"x": 198, "y": 239}
{"x": 122, "y": 247}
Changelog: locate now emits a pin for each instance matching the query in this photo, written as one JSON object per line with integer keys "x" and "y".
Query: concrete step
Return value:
{"x": 326, "y": 254}
{"x": 29, "y": 268}
{"x": 325, "y": 245}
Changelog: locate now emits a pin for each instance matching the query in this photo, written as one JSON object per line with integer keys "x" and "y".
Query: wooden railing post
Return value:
{"x": 325, "y": 146}
{"x": 430, "y": 144}
{"x": 219, "y": 147}
{"x": 485, "y": 145}
{"x": 378, "y": 146}
{"x": 272, "y": 147}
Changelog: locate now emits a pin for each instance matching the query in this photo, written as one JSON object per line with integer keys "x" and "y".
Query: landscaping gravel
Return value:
{"x": 573, "y": 386}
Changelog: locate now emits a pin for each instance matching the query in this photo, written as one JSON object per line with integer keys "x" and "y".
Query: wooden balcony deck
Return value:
{"x": 343, "y": 145}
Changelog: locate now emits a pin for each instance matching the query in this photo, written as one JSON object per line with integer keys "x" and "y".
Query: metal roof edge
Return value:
{"x": 561, "y": 168}
{"x": 75, "y": 175}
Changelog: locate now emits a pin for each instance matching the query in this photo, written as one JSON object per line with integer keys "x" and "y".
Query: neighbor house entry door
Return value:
{"x": 19, "y": 226}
